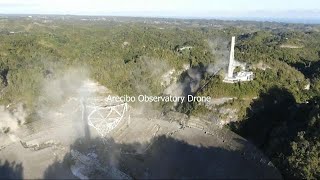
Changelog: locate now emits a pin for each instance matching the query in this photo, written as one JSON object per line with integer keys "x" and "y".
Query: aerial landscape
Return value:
{"x": 124, "y": 90}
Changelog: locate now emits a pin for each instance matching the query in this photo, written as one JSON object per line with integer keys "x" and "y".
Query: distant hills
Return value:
{"x": 287, "y": 16}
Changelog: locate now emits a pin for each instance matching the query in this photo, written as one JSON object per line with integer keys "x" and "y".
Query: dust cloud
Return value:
{"x": 190, "y": 80}
{"x": 56, "y": 92}
{"x": 11, "y": 119}
{"x": 61, "y": 101}
{"x": 219, "y": 48}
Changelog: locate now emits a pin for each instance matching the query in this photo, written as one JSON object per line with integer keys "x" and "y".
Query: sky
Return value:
{"x": 167, "y": 8}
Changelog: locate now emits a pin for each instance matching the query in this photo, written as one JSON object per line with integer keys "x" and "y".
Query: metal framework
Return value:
{"x": 102, "y": 115}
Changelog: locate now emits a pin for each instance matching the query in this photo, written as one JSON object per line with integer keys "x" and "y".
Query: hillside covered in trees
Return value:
{"x": 278, "y": 111}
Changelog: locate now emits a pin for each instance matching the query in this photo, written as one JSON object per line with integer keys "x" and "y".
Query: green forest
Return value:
{"x": 127, "y": 55}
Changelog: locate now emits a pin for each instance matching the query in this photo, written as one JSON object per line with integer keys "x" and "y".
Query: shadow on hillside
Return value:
{"x": 11, "y": 170}
{"x": 165, "y": 158}
{"x": 308, "y": 69}
{"x": 270, "y": 110}
{"x": 272, "y": 122}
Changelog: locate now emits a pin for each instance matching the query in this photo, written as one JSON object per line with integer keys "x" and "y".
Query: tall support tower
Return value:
{"x": 231, "y": 60}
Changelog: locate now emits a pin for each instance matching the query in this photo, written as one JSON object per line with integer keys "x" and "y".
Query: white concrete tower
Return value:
{"x": 231, "y": 60}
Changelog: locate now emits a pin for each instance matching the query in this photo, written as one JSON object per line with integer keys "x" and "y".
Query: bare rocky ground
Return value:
{"x": 144, "y": 144}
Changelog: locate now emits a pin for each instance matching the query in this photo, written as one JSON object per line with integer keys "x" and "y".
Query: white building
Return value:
{"x": 243, "y": 75}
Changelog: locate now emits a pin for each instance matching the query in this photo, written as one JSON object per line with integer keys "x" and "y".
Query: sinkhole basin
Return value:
{"x": 119, "y": 141}
{"x": 140, "y": 147}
